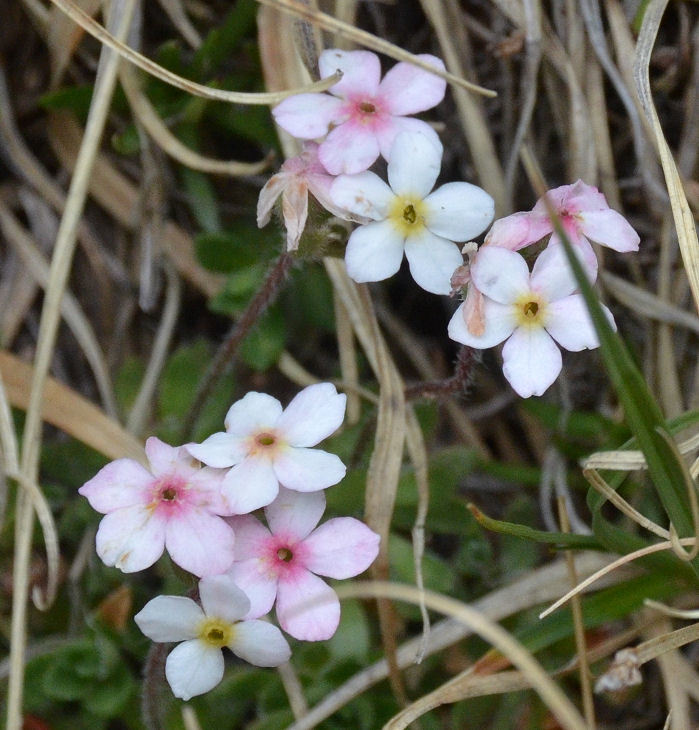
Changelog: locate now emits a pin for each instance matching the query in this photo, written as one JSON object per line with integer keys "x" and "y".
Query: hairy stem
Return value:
{"x": 152, "y": 704}
{"x": 444, "y": 388}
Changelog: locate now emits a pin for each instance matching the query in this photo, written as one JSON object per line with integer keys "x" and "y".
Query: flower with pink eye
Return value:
{"x": 284, "y": 561}
{"x": 364, "y": 112}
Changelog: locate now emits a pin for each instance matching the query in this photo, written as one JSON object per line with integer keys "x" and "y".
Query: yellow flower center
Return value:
{"x": 407, "y": 215}
{"x": 531, "y": 310}
{"x": 215, "y": 632}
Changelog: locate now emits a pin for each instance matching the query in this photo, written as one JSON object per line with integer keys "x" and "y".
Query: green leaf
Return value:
{"x": 263, "y": 346}
{"x": 236, "y": 248}
{"x": 240, "y": 286}
{"x": 76, "y": 99}
{"x": 108, "y": 697}
{"x": 127, "y": 142}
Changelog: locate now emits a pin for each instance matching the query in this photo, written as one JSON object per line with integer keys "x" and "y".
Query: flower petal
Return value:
{"x": 552, "y": 275}
{"x": 250, "y": 536}
{"x": 501, "y": 275}
{"x": 350, "y": 148}
{"x": 307, "y": 470}
{"x": 569, "y": 323}
{"x": 315, "y": 413}
{"x": 414, "y": 164}
{"x": 258, "y": 583}
{"x": 583, "y": 248}
{"x": 271, "y": 190}
{"x": 120, "y": 483}
{"x": 407, "y": 89}
{"x": 361, "y": 71}
{"x": 374, "y": 252}
{"x": 518, "y": 230}
{"x": 252, "y": 412}
{"x": 308, "y": 116}
{"x": 364, "y": 194}
{"x": 386, "y": 135}
{"x": 295, "y": 212}
{"x": 432, "y": 261}
{"x": 221, "y": 597}
{"x": 610, "y": 229}
{"x": 459, "y": 211}
{"x": 199, "y": 542}
{"x": 259, "y": 643}
{"x": 193, "y": 668}
{"x": 307, "y": 607}
{"x": 220, "y": 450}
{"x": 531, "y": 361}
{"x": 250, "y": 485}
{"x": 500, "y": 322}
{"x": 295, "y": 514}
{"x": 581, "y": 197}
{"x": 131, "y": 538}
{"x": 169, "y": 618}
{"x": 341, "y": 548}
{"x": 162, "y": 456}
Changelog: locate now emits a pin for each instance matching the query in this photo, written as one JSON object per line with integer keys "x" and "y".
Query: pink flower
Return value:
{"x": 532, "y": 312}
{"x": 196, "y": 665}
{"x": 365, "y": 113}
{"x": 265, "y": 446}
{"x": 298, "y": 176}
{"x": 585, "y": 216}
{"x": 282, "y": 562}
{"x": 175, "y": 506}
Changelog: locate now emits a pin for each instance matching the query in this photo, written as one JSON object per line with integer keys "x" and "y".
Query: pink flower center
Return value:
{"x": 368, "y": 112}
{"x": 285, "y": 555}
{"x": 366, "y": 107}
{"x": 170, "y": 495}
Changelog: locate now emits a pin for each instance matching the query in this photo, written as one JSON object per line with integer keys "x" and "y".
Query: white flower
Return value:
{"x": 196, "y": 665}
{"x": 266, "y": 446}
{"x": 406, "y": 216}
{"x": 532, "y": 312}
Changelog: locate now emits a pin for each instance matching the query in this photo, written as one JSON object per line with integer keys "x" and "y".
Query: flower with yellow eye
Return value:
{"x": 408, "y": 217}
{"x": 196, "y": 665}
{"x": 532, "y": 312}
{"x": 264, "y": 446}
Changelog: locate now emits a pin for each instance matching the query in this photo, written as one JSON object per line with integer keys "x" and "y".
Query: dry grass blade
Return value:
{"x": 673, "y": 612}
{"x": 682, "y": 214}
{"x": 368, "y": 40}
{"x": 63, "y": 37}
{"x": 234, "y": 97}
{"x": 631, "y": 460}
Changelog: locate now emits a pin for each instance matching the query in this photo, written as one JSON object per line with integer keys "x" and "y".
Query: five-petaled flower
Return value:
{"x": 407, "y": 217}
{"x": 532, "y": 312}
{"x": 196, "y": 665}
{"x": 174, "y": 506}
{"x": 282, "y": 562}
{"x": 264, "y": 446}
{"x": 365, "y": 113}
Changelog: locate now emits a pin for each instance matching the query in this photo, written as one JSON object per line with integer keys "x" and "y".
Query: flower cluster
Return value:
{"x": 196, "y": 500}
{"x": 363, "y": 117}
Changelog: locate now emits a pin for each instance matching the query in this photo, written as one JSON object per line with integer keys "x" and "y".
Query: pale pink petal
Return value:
{"x": 585, "y": 252}
{"x": 161, "y": 456}
{"x": 308, "y": 116}
{"x": 250, "y": 485}
{"x": 374, "y": 252}
{"x": 414, "y": 165}
{"x": 220, "y": 450}
{"x": 341, "y": 548}
{"x": 315, "y": 413}
{"x": 120, "y": 483}
{"x": 350, "y": 148}
{"x": 251, "y": 536}
{"x": 200, "y": 543}
{"x": 386, "y": 134}
{"x": 364, "y": 194}
{"x": 252, "y": 412}
{"x": 407, "y": 89}
{"x": 131, "y": 538}
{"x": 295, "y": 212}
{"x": 432, "y": 261}
{"x": 259, "y": 584}
{"x": 361, "y": 71}
{"x": 610, "y": 229}
{"x": 207, "y": 483}
{"x": 307, "y": 470}
{"x": 320, "y": 187}
{"x": 307, "y": 607}
{"x": 569, "y": 323}
{"x": 222, "y": 598}
{"x": 557, "y": 198}
{"x": 260, "y": 643}
{"x": 294, "y": 514}
{"x": 552, "y": 275}
{"x": 500, "y": 322}
{"x": 272, "y": 189}
{"x": 531, "y": 361}
{"x": 193, "y": 668}
{"x": 518, "y": 230}
{"x": 459, "y": 211}
{"x": 169, "y": 618}
{"x": 500, "y": 274}
{"x": 581, "y": 197}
